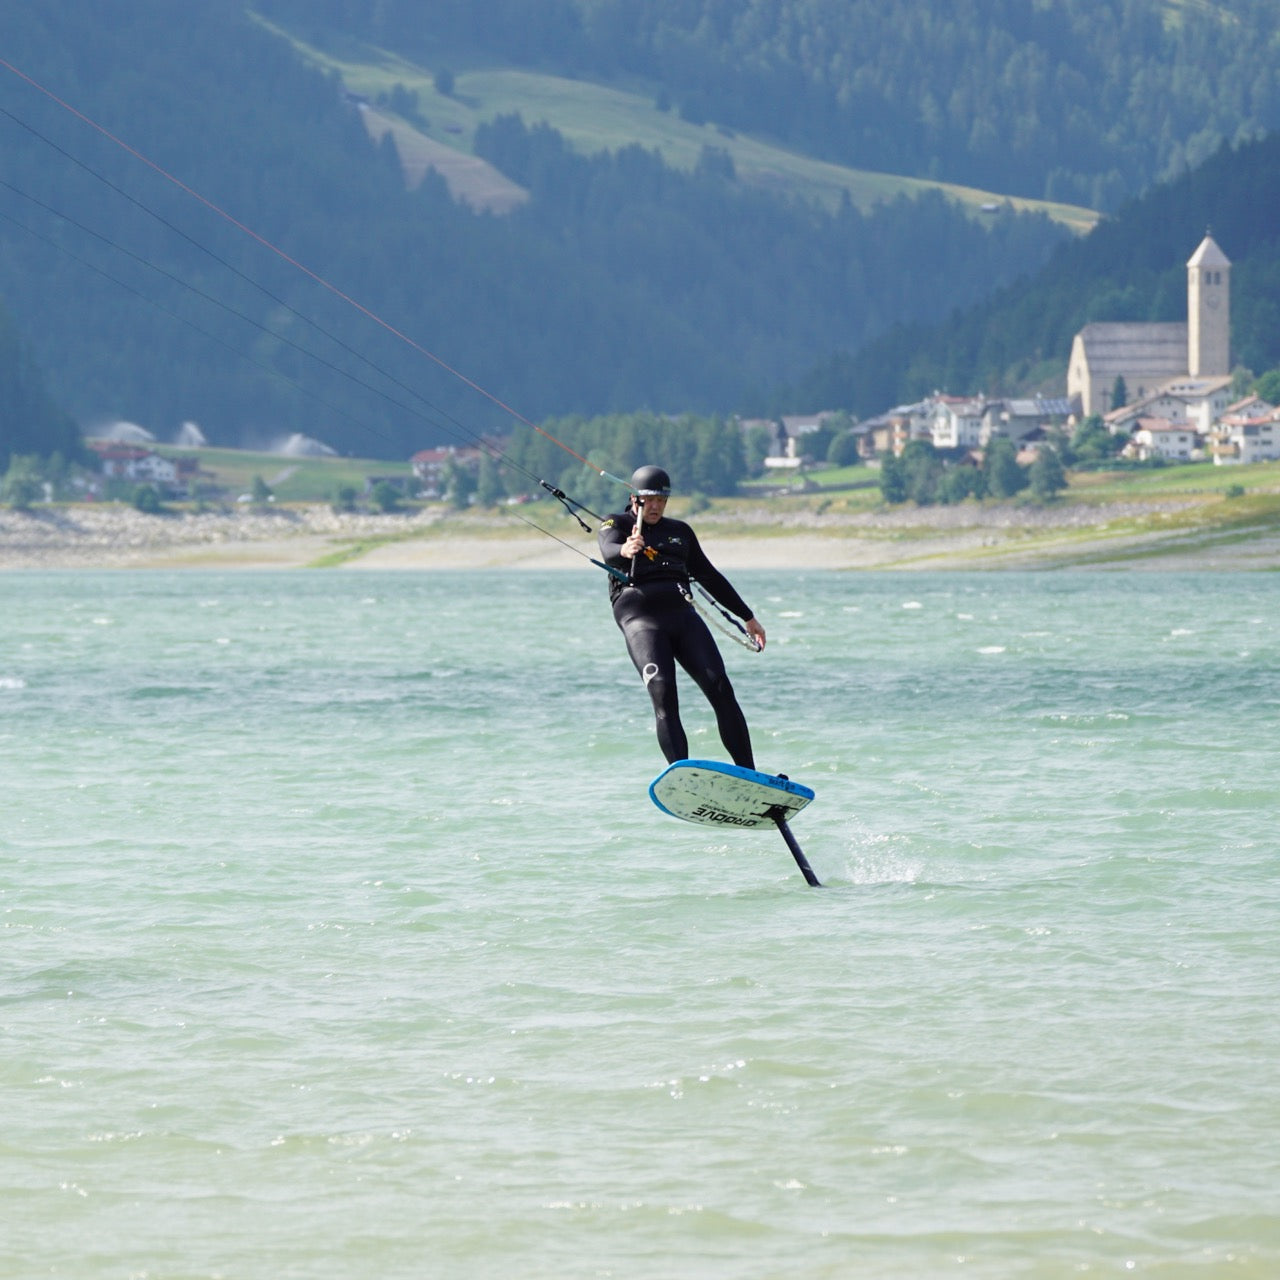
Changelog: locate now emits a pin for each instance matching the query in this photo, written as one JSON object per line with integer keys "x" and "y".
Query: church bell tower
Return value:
{"x": 1208, "y": 311}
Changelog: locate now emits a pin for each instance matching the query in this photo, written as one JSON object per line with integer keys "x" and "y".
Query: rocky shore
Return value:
{"x": 1161, "y": 534}
{"x": 116, "y": 536}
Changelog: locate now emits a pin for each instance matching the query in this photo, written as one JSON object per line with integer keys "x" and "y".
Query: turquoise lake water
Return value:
{"x": 339, "y": 937}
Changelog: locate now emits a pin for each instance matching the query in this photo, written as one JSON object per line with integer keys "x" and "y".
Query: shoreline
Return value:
{"x": 1158, "y": 535}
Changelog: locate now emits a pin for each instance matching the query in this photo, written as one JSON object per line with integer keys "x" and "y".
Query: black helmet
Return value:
{"x": 651, "y": 482}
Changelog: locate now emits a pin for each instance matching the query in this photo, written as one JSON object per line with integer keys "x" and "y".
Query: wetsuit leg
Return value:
{"x": 651, "y": 651}
{"x": 697, "y": 652}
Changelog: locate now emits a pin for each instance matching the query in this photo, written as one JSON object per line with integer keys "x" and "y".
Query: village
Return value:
{"x": 1164, "y": 391}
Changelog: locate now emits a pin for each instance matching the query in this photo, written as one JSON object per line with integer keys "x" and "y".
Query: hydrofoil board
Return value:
{"x": 727, "y": 795}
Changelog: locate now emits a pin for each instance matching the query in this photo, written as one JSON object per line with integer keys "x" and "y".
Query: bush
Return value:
{"x": 893, "y": 479}
{"x": 1047, "y": 475}
{"x": 844, "y": 450}
{"x": 21, "y": 487}
{"x": 146, "y": 498}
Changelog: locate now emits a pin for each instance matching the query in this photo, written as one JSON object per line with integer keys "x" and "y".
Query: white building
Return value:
{"x": 1249, "y": 436}
{"x": 131, "y": 462}
{"x": 1170, "y": 441}
{"x": 955, "y": 422}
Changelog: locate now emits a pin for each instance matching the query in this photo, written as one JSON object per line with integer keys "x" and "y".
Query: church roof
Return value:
{"x": 1122, "y": 348}
{"x": 1208, "y": 255}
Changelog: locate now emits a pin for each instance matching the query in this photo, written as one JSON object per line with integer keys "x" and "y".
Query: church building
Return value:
{"x": 1147, "y": 356}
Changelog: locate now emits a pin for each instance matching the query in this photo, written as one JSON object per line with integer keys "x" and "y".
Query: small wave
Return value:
{"x": 168, "y": 691}
{"x": 12, "y": 682}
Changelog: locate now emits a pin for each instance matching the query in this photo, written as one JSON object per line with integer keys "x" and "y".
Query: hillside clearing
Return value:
{"x": 594, "y": 118}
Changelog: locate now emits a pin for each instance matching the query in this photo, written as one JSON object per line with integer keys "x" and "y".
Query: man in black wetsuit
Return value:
{"x": 655, "y": 612}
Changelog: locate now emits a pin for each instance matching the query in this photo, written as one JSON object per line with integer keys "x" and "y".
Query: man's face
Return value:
{"x": 653, "y": 508}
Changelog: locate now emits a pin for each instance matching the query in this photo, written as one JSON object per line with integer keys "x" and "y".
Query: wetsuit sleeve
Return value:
{"x": 610, "y": 537}
{"x": 704, "y": 572}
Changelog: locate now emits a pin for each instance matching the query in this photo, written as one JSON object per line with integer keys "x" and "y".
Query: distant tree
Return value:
{"x": 30, "y": 423}
{"x": 1048, "y": 477}
{"x": 1093, "y": 443}
{"x": 1005, "y": 476}
{"x": 758, "y": 442}
{"x": 260, "y": 491}
{"x": 22, "y": 486}
{"x": 715, "y": 163}
{"x": 146, "y": 498}
{"x": 459, "y": 485}
{"x": 959, "y": 483}
{"x": 444, "y": 82}
{"x": 489, "y": 487}
{"x": 813, "y": 445}
{"x": 346, "y": 498}
{"x": 844, "y": 450}
{"x": 386, "y": 497}
{"x": 1119, "y": 392}
{"x": 1058, "y": 440}
{"x": 405, "y": 103}
{"x": 893, "y": 479}
{"x": 924, "y": 467}
{"x": 1268, "y": 386}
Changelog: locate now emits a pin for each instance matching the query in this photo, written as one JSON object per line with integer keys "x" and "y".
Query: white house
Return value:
{"x": 1241, "y": 438}
{"x": 956, "y": 421}
{"x": 430, "y": 466}
{"x": 131, "y": 462}
{"x": 1175, "y": 442}
{"x": 1197, "y": 401}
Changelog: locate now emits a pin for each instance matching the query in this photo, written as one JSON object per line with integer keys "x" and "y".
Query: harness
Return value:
{"x": 721, "y": 619}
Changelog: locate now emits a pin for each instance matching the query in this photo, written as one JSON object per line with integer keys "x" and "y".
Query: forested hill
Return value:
{"x": 620, "y": 284}
{"x": 1131, "y": 267}
{"x": 31, "y": 424}
{"x": 1083, "y": 101}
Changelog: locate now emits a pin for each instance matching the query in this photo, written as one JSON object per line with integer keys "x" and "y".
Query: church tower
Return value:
{"x": 1208, "y": 311}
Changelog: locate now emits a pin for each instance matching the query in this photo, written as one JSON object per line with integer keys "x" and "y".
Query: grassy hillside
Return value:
{"x": 289, "y": 479}
{"x": 596, "y": 118}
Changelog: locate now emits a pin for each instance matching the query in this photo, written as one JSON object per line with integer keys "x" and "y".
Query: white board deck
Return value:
{"x": 727, "y": 795}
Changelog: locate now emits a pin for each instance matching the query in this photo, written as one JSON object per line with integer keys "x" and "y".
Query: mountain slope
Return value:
{"x": 597, "y": 118}
{"x": 1132, "y": 267}
{"x": 1086, "y": 101}
{"x": 621, "y": 283}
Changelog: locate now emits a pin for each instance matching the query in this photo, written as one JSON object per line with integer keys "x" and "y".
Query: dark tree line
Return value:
{"x": 704, "y": 455}
{"x": 31, "y": 424}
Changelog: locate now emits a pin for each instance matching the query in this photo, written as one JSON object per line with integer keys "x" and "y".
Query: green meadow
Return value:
{"x": 595, "y": 117}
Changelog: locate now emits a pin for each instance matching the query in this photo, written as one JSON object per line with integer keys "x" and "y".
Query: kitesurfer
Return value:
{"x": 654, "y": 610}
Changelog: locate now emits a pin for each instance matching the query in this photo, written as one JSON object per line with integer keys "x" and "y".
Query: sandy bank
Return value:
{"x": 969, "y": 536}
